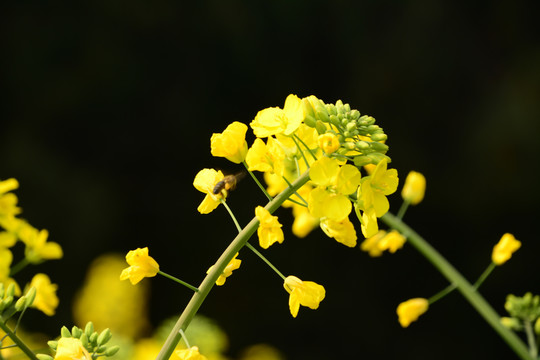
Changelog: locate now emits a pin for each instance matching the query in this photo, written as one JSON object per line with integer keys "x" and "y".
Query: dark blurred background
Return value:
{"x": 108, "y": 108}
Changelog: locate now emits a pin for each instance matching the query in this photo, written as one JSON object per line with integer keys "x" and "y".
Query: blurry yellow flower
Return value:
{"x": 6, "y": 257}
{"x": 142, "y": 265}
{"x": 393, "y": 241}
{"x": 71, "y": 349}
{"x": 7, "y": 239}
{"x": 111, "y": 303}
{"x": 231, "y": 144}
{"x": 305, "y": 293}
{"x": 189, "y": 354}
{"x": 414, "y": 188}
{"x": 328, "y": 142}
{"x": 343, "y": 231}
{"x": 146, "y": 349}
{"x": 261, "y": 352}
{"x": 205, "y": 181}
{"x": 371, "y": 244}
{"x": 267, "y": 157}
{"x": 38, "y": 248}
{"x": 411, "y": 310}
{"x": 504, "y": 249}
{"x": 304, "y": 222}
{"x": 269, "y": 230}
{"x": 231, "y": 266}
{"x": 8, "y": 201}
{"x": 46, "y": 299}
{"x": 272, "y": 121}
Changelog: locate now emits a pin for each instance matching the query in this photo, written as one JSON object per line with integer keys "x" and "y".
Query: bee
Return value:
{"x": 228, "y": 183}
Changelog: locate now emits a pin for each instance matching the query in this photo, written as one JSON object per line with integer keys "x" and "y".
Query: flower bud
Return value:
{"x": 104, "y": 337}
{"x": 334, "y": 120}
{"x": 379, "y": 137}
{"x": 89, "y": 329}
{"x": 112, "y": 350}
{"x": 511, "y": 323}
{"x": 64, "y": 332}
{"x": 321, "y": 128}
{"x": 411, "y": 310}
{"x": 310, "y": 121}
{"x": 10, "y": 291}
{"x": 323, "y": 115}
{"x": 366, "y": 120}
{"x": 414, "y": 188}
{"x": 504, "y": 249}
{"x": 44, "y": 357}
{"x": 354, "y": 114}
{"x": 31, "y": 296}
{"x": 537, "y": 326}
{"x": 379, "y": 147}
{"x": 53, "y": 344}
{"x": 76, "y": 332}
{"x": 20, "y": 304}
{"x": 331, "y": 108}
{"x": 361, "y": 160}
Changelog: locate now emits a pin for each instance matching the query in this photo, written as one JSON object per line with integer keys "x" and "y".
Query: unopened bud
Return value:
{"x": 104, "y": 337}
{"x": 30, "y": 296}
{"x": 44, "y": 357}
{"x": 112, "y": 350}
{"x": 53, "y": 344}
{"x": 335, "y": 120}
{"x": 414, "y": 188}
{"x": 310, "y": 121}
{"x": 64, "y": 332}
{"x": 321, "y": 128}
{"x": 21, "y": 303}
{"x": 362, "y": 161}
{"x": 89, "y": 329}
{"x": 379, "y": 137}
{"x": 379, "y": 147}
{"x": 76, "y": 332}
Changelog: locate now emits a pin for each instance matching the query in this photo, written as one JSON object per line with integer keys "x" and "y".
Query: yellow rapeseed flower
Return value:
{"x": 410, "y": 310}
{"x": 188, "y": 354}
{"x": 46, "y": 299}
{"x": 343, "y": 231}
{"x": 303, "y": 222}
{"x": 329, "y": 199}
{"x": 38, "y": 249}
{"x": 374, "y": 188}
{"x": 205, "y": 181}
{"x": 368, "y": 223}
{"x": 504, "y": 249}
{"x": 269, "y": 230}
{"x": 142, "y": 265}
{"x": 6, "y": 257}
{"x": 71, "y": 349}
{"x": 371, "y": 244}
{"x": 415, "y": 187}
{"x": 393, "y": 241}
{"x": 231, "y": 266}
{"x": 231, "y": 144}
{"x": 272, "y": 121}
{"x": 267, "y": 157}
{"x": 305, "y": 293}
{"x": 8, "y": 201}
{"x": 328, "y": 142}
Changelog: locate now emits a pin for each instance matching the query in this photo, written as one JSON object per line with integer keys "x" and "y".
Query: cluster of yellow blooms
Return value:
{"x": 37, "y": 250}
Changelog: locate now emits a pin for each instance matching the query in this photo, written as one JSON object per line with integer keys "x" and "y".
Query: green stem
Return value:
{"x": 301, "y": 152}
{"x": 257, "y": 181}
{"x": 404, "y": 206}
{"x": 211, "y": 278}
{"x": 238, "y": 227}
{"x": 531, "y": 338}
{"x": 307, "y": 148}
{"x": 466, "y": 289}
{"x": 484, "y": 275}
{"x": 249, "y": 246}
{"x": 305, "y": 204}
{"x": 18, "y": 267}
{"x": 438, "y": 296}
{"x": 25, "y": 349}
{"x": 178, "y": 281}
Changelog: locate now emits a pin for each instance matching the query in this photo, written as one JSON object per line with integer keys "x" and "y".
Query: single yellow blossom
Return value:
{"x": 329, "y": 199}
{"x": 6, "y": 257}
{"x": 328, "y": 142}
{"x": 205, "y": 181}
{"x": 415, "y": 187}
{"x": 411, "y": 310}
{"x": 374, "y": 188}
{"x": 231, "y": 266}
{"x": 303, "y": 222}
{"x": 71, "y": 349}
{"x": 189, "y": 354}
{"x": 267, "y": 157}
{"x": 371, "y": 244}
{"x": 38, "y": 248}
{"x": 231, "y": 144}
{"x": 392, "y": 241}
{"x": 368, "y": 223}
{"x": 142, "y": 265}
{"x": 343, "y": 231}
{"x": 504, "y": 249}
{"x": 305, "y": 293}
{"x": 7, "y": 239}
{"x": 8, "y": 185}
{"x": 46, "y": 299}
{"x": 8, "y": 205}
{"x": 269, "y": 230}
{"x": 272, "y": 121}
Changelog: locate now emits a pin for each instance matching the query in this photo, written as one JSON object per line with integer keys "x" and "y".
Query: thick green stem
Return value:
{"x": 211, "y": 278}
{"x": 466, "y": 289}
{"x": 25, "y": 349}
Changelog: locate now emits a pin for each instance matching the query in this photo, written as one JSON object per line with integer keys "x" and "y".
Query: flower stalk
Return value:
{"x": 18, "y": 342}
{"x": 466, "y": 289}
{"x": 211, "y": 278}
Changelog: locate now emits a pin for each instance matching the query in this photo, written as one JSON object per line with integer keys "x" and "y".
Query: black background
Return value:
{"x": 108, "y": 108}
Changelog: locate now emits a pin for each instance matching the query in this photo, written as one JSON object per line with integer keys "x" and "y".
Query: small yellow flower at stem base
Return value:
{"x": 411, "y": 310}
{"x": 46, "y": 299}
{"x": 414, "y": 189}
{"x": 189, "y": 354}
{"x": 305, "y": 293}
{"x": 142, "y": 265}
{"x": 504, "y": 249}
{"x": 231, "y": 144}
{"x": 71, "y": 349}
{"x": 269, "y": 230}
{"x": 233, "y": 265}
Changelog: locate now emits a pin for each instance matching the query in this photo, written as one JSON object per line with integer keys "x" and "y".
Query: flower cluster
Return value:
{"x": 333, "y": 143}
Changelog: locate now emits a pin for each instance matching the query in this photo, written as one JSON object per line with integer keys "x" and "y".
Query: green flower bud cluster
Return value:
{"x": 523, "y": 310}
{"x": 360, "y": 138}
{"x": 8, "y": 305}
{"x": 92, "y": 341}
